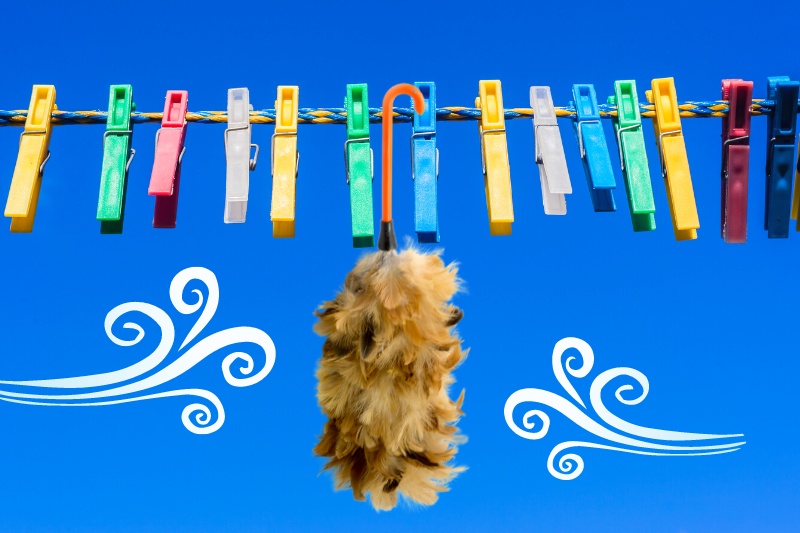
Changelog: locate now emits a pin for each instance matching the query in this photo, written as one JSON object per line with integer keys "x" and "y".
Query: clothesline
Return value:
{"x": 338, "y": 115}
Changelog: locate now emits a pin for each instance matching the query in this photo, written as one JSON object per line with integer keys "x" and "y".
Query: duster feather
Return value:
{"x": 384, "y": 375}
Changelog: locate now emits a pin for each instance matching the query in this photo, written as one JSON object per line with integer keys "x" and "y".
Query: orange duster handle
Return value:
{"x": 388, "y": 118}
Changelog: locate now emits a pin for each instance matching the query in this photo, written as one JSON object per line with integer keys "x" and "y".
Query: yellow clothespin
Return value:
{"x": 33, "y": 155}
{"x": 674, "y": 161}
{"x": 285, "y": 162}
{"x": 494, "y": 153}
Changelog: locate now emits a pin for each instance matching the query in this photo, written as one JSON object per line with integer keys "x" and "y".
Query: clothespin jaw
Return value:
{"x": 735, "y": 159}
{"x": 425, "y": 167}
{"x": 285, "y": 162}
{"x": 34, "y": 143}
{"x": 238, "y": 164}
{"x": 494, "y": 153}
{"x": 549, "y": 150}
{"x": 166, "y": 177}
{"x": 781, "y": 133}
{"x": 674, "y": 161}
{"x": 593, "y": 148}
{"x": 797, "y": 195}
{"x": 117, "y": 156}
{"x": 358, "y": 161}
{"x": 633, "y": 156}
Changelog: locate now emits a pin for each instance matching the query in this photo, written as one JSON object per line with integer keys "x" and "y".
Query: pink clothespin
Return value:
{"x": 735, "y": 159}
{"x": 166, "y": 177}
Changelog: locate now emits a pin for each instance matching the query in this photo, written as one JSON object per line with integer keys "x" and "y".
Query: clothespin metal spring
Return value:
{"x": 423, "y": 135}
{"x": 483, "y": 134}
{"x": 183, "y": 149}
{"x": 619, "y": 142}
{"x": 734, "y": 141}
{"x": 580, "y": 135}
{"x": 37, "y": 132}
{"x": 661, "y": 150}
{"x": 114, "y": 132}
{"x": 254, "y": 159}
{"x": 346, "y": 160}
{"x": 272, "y": 154}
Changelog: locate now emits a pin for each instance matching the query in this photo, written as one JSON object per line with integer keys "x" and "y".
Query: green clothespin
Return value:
{"x": 359, "y": 167}
{"x": 632, "y": 155}
{"x": 117, "y": 157}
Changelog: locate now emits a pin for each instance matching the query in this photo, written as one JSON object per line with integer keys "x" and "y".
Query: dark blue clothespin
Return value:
{"x": 781, "y": 131}
{"x": 593, "y": 148}
{"x": 425, "y": 167}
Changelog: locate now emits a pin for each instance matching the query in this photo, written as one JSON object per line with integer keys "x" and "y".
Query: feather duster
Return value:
{"x": 384, "y": 376}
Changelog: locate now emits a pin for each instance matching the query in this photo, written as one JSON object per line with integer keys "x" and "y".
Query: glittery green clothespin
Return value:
{"x": 359, "y": 166}
{"x": 117, "y": 156}
{"x": 633, "y": 157}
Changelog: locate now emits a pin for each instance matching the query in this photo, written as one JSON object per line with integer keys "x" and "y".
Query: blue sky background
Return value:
{"x": 713, "y": 326}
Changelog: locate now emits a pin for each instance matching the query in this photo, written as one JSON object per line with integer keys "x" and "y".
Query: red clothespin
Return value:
{"x": 735, "y": 159}
{"x": 166, "y": 177}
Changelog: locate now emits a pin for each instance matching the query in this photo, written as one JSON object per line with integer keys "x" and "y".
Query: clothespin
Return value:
{"x": 781, "y": 133}
{"x": 166, "y": 177}
{"x": 117, "y": 157}
{"x": 796, "y": 203}
{"x": 238, "y": 143}
{"x": 593, "y": 148}
{"x": 494, "y": 154}
{"x": 34, "y": 152}
{"x": 674, "y": 161}
{"x": 633, "y": 156}
{"x": 735, "y": 159}
{"x": 425, "y": 167}
{"x": 553, "y": 173}
{"x": 285, "y": 162}
{"x": 358, "y": 162}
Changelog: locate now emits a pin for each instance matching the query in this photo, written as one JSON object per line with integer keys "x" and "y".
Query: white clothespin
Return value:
{"x": 237, "y": 153}
{"x": 549, "y": 153}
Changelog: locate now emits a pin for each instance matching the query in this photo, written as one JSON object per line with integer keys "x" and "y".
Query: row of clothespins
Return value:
{"x": 555, "y": 179}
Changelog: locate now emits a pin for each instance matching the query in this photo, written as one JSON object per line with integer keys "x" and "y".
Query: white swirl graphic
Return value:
{"x": 179, "y": 283}
{"x": 587, "y": 354}
{"x": 149, "y": 373}
{"x": 629, "y": 437}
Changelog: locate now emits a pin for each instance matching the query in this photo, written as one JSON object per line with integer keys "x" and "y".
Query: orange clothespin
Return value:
{"x": 34, "y": 143}
{"x": 674, "y": 161}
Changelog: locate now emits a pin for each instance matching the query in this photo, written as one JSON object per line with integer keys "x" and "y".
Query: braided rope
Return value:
{"x": 338, "y": 115}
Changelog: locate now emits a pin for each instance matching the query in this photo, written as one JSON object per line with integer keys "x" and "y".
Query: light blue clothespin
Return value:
{"x": 425, "y": 167}
{"x": 593, "y": 148}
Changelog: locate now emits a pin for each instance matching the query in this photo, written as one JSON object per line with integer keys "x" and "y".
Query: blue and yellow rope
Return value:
{"x": 338, "y": 115}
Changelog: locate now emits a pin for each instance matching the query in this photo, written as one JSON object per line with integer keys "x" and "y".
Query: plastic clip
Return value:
{"x": 735, "y": 160}
{"x": 781, "y": 133}
{"x": 285, "y": 162}
{"x": 117, "y": 156}
{"x": 34, "y": 143}
{"x": 494, "y": 154}
{"x": 166, "y": 177}
{"x": 633, "y": 156}
{"x": 358, "y": 162}
{"x": 425, "y": 167}
{"x": 553, "y": 173}
{"x": 593, "y": 148}
{"x": 674, "y": 161}
{"x": 238, "y": 144}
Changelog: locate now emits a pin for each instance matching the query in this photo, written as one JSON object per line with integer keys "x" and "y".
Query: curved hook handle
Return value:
{"x": 386, "y": 239}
